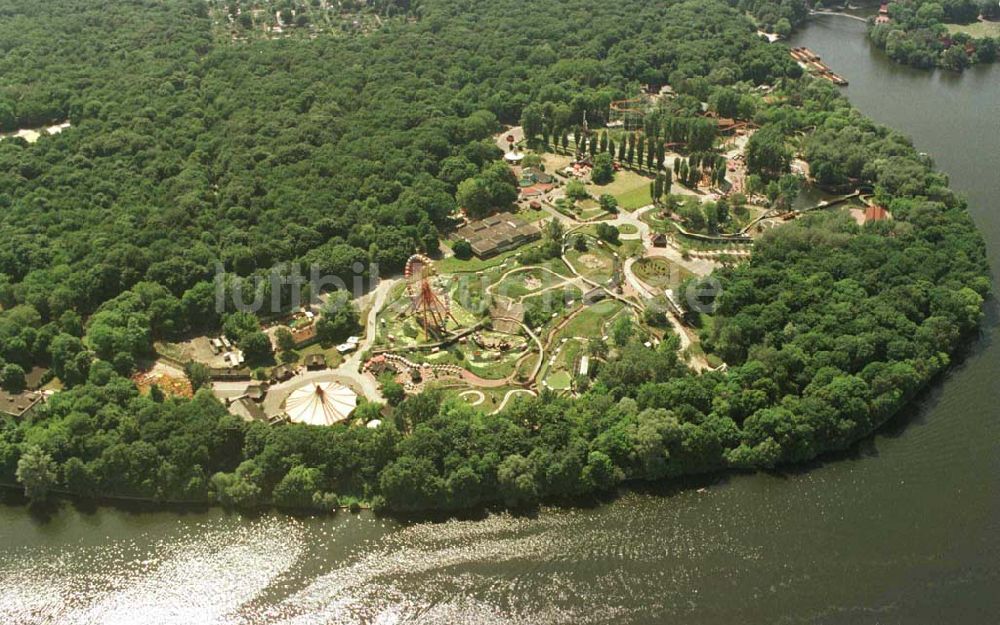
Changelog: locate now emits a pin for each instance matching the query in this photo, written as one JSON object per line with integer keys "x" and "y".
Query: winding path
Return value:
{"x": 563, "y": 281}
{"x": 479, "y": 395}
{"x": 698, "y": 267}
{"x": 512, "y": 393}
{"x": 538, "y": 343}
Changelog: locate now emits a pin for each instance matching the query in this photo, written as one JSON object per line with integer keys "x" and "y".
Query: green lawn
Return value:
{"x": 521, "y": 283}
{"x": 567, "y": 358}
{"x": 597, "y": 263}
{"x": 590, "y": 322}
{"x": 976, "y": 29}
{"x": 559, "y": 381}
{"x": 527, "y": 366}
{"x": 629, "y": 188}
{"x": 656, "y": 222}
{"x": 636, "y": 198}
{"x": 558, "y": 266}
{"x": 492, "y": 371}
{"x": 592, "y": 214}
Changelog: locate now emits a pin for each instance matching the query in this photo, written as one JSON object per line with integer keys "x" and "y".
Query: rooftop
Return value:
{"x": 499, "y": 233}
{"x": 876, "y": 213}
{"x": 247, "y": 410}
{"x": 17, "y": 405}
{"x": 315, "y": 361}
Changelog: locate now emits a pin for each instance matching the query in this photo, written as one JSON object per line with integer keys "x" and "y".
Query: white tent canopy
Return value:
{"x": 513, "y": 157}
{"x": 321, "y": 403}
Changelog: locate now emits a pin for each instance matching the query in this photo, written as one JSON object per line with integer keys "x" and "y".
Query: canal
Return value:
{"x": 905, "y": 529}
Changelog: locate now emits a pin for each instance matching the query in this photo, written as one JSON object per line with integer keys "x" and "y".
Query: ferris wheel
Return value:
{"x": 432, "y": 309}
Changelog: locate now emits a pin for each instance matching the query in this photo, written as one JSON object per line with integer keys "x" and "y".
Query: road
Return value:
{"x": 351, "y": 367}
{"x": 517, "y": 132}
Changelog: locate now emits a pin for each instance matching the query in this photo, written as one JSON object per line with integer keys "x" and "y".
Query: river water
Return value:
{"x": 902, "y": 530}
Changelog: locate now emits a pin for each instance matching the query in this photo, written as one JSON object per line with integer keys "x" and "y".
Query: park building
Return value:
{"x": 315, "y": 362}
{"x": 19, "y": 405}
{"x": 498, "y": 234}
{"x": 531, "y": 176}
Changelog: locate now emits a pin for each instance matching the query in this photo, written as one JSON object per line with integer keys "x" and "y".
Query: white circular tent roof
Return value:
{"x": 321, "y": 403}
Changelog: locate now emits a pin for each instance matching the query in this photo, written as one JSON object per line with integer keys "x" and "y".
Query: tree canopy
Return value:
{"x": 186, "y": 152}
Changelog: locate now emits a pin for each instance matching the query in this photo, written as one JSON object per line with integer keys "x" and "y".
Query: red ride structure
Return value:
{"x": 431, "y": 309}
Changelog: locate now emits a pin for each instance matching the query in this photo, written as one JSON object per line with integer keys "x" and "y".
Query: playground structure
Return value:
{"x": 431, "y": 308}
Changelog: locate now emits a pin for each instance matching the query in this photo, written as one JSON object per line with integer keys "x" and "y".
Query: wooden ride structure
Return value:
{"x": 432, "y": 309}
{"x": 810, "y": 61}
{"x": 629, "y": 112}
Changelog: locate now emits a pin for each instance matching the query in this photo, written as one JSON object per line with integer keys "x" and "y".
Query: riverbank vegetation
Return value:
{"x": 927, "y": 33}
{"x": 185, "y": 153}
{"x": 951, "y": 34}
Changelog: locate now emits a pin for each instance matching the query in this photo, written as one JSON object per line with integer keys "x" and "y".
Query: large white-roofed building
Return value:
{"x": 321, "y": 403}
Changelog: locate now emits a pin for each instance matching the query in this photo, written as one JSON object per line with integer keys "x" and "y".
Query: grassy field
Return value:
{"x": 597, "y": 263}
{"x": 525, "y": 282}
{"x": 559, "y": 380}
{"x": 590, "y": 322}
{"x": 526, "y": 367}
{"x": 590, "y": 209}
{"x": 531, "y": 215}
{"x": 636, "y": 198}
{"x": 660, "y": 273}
{"x": 492, "y": 370}
{"x": 629, "y": 188}
{"x": 657, "y": 223}
{"x": 569, "y": 352}
{"x": 457, "y": 265}
{"x": 492, "y": 397}
{"x": 976, "y": 29}
{"x": 558, "y": 266}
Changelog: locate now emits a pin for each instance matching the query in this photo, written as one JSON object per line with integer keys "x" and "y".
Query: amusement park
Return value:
{"x": 609, "y": 228}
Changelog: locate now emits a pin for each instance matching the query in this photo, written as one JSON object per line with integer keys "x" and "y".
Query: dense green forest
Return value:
{"x": 775, "y": 16}
{"x": 185, "y": 151}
